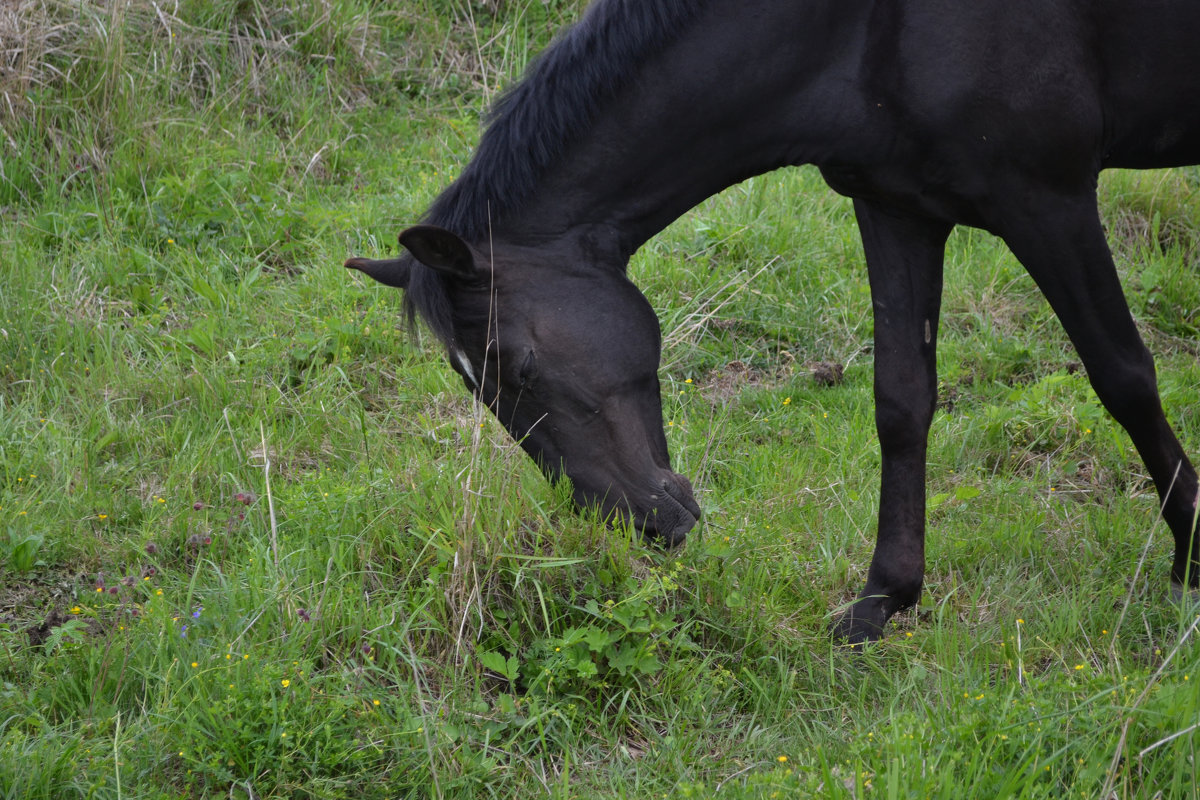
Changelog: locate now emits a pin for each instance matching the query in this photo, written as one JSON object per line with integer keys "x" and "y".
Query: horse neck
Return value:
{"x": 751, "y": 87}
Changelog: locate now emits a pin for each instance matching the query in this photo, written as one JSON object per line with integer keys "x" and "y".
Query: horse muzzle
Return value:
{"x": 673, "y": 510}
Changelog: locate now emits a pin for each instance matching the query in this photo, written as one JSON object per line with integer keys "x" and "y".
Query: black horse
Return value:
{"x": 998, "y": 114}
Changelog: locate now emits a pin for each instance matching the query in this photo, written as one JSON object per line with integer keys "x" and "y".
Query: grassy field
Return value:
{"x": 256, "y": 542}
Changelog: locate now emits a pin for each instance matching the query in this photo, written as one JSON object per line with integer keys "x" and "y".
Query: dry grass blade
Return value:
{"x": 44, "y": 43}
{"x": 1113, "y": 770}
{"x": 691, "y": 326}
{"x": 33, "y": 37}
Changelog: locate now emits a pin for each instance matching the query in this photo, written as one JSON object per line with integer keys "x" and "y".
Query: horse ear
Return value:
{"x": 438, "y": 248}
{"x": 389, "y": 272}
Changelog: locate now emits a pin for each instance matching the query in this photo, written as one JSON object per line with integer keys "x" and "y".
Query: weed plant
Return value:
{"x": 255, "y": 540}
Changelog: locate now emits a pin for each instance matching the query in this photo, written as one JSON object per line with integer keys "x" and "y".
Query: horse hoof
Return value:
{"x": 855, "y": 631}
{"x": 1181, "y": 595}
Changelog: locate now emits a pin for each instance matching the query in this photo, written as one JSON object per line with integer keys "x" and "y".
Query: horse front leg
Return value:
{"x": 904, "y": 262}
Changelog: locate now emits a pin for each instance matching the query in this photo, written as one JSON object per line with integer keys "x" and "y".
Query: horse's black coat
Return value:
{"x": 534, "y": 121}
{"x": 997, "y": 114}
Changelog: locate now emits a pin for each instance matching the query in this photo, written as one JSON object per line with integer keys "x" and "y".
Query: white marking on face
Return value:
{"x": 460, "y": 358}
{"x": 928, "y": 332}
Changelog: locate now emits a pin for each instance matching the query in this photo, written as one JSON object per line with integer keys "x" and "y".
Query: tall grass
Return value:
{"x": 256, "y": 541}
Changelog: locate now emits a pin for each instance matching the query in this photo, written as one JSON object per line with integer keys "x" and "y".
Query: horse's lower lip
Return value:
{"x": 670, "y": 521}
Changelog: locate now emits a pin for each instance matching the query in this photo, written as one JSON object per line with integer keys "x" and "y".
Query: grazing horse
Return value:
{"x": 997, "y": 114}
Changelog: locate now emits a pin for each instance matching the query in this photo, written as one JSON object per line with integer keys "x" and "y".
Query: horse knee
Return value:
{"x": 902, "y": 422}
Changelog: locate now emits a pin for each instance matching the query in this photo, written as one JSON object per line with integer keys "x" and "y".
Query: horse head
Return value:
{"x": 564, "y": 354}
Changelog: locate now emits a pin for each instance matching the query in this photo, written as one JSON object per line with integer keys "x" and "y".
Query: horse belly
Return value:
{"x": 1151, "y": 87}
{"x": 1170, "y": 139}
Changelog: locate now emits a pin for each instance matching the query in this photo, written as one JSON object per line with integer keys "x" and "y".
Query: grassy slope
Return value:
{"x": 205, "y": 423}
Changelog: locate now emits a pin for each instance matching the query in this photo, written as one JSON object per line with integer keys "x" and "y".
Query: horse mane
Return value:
{"x": 534, "y": 122}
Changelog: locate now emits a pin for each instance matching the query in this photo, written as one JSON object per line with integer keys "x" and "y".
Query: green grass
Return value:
{"x": 255, "y": 541}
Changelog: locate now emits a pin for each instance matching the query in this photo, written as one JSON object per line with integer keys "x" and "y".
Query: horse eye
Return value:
{"x": 529, "y": 369}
